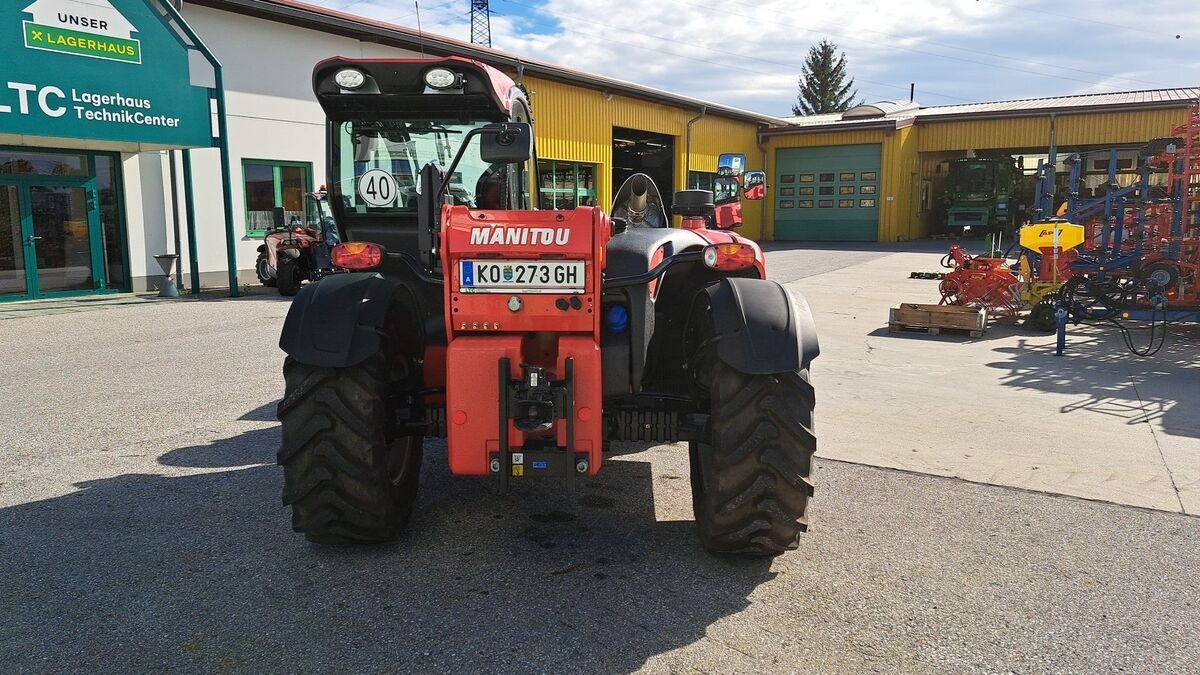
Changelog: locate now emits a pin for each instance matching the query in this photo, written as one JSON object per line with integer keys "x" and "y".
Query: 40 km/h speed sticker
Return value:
{"x": 378, "y": 187}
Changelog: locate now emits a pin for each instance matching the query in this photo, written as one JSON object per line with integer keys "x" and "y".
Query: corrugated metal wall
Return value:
{"x": 575, "y": 124}
{"x": 1034, "y": 132}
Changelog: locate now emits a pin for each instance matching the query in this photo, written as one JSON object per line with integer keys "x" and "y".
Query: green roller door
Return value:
{"x": 827, "y": 194}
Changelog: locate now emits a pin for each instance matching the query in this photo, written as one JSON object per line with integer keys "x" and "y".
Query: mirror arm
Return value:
{"x": 441, "y": 193}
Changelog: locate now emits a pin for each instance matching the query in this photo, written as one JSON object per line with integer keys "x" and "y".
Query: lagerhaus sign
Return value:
{"x": 109, "y": 70}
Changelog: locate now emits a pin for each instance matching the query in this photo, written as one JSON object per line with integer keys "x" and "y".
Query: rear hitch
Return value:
{"x": 534, "y": 404}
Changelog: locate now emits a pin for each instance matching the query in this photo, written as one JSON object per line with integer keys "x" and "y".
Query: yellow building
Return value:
{"x": 818, "y": 166}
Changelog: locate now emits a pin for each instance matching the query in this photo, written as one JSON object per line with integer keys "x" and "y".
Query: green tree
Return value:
{"x": 823, "y": 84}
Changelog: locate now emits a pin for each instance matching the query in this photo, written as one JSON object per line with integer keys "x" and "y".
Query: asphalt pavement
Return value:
{"x": 141, "y": 529}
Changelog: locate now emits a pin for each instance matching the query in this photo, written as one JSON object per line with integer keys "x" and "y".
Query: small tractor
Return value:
{"x": 298, "y": 251}
{"x": 528, "y": 339}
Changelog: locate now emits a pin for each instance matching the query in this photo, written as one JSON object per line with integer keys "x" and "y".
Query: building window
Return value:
{"x": 270, "y": 185}
{"x": 867, "y": 189}
{"x": 789, "y": 178}
{"x": 867, "y": 175}
{"x": 806, "y": 203}
{"x": 866, "y": 203}
{"x": 565, "y": 185}
{"x": 787, "y": 204}
{"x": 826, "y": 189}
{"x": 807, "y": 177}
{"x": 808, "y": 190}
{"x": 825, "y": 204}
{"x": 787, "y": 192}
{"x": 845, "y": 203}
{"x": 701, "y": 180}
{"x": 827, "y": 177}
{"x": 846, "y": 190}
{"x": 846, "y": 176}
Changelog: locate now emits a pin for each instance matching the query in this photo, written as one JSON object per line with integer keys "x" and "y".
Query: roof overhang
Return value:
{"x": 874, "y": 125}
{"x": 1046, "y": 112}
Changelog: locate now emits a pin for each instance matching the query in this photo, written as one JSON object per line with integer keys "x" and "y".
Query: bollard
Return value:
{"x": 167, "y": 262}
{"x": 1060, "y": 320}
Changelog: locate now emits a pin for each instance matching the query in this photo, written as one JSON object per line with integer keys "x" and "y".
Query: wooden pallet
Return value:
{"x": 933, "y": 319}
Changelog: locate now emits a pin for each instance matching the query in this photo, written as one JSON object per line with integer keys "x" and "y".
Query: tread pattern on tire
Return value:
{"x": 751, "y": 480}
{"x": 345, "y": 480}
{"x": 285, "y": 278}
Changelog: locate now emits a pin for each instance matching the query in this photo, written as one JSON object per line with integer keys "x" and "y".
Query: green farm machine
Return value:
{"x": 979, "y": 193}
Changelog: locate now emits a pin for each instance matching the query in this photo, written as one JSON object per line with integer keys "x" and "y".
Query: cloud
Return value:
{"x": 749, "y": 55}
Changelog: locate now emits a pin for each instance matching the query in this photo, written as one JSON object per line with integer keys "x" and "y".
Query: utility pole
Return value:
{"x": 481, "y": 23}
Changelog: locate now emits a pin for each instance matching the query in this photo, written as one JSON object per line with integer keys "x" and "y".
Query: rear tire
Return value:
{"x": 347, "y": 477}
{"x": 287, "y": 276}
{"x": 262, "y": 268}
{"x": 751, "y": 475}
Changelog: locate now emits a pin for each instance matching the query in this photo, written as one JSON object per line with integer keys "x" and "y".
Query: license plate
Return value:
{"x": 527, "y": 276}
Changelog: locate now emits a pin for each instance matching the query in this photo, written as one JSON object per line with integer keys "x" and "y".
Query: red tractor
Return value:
{"x": 528, "y": 339}
{"x": 298, "y": 251}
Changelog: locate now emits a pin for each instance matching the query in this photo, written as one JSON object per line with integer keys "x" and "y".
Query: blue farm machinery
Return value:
{"x": 1112, "y": 251}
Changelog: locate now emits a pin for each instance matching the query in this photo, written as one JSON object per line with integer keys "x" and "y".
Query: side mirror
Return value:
{"x": 756, "y": 185}
{"x": 731, "y": 165}
{"x": 507, "y": 143}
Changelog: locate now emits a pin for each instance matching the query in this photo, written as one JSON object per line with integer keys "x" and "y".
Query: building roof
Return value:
{"x": 896, "y": 114}
{"x": 1125, "y": 100}
{"x": 327, "y": 20}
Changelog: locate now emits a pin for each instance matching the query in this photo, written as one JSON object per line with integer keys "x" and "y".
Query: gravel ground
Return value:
{"x": 141, "y": 530}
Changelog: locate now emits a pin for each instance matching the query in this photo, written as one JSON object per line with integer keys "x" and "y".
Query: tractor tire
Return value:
{"x": 348, "y": 479}
{"x": 751, "y": 475}
{"x": 262, "y": 269}
{"x": 287, "y": 276}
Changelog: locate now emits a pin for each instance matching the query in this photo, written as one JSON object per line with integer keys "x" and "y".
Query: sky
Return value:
{"x": 749, "y": 54}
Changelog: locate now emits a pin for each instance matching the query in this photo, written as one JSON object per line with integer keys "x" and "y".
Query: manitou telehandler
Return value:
{"x": 528, "y": 339}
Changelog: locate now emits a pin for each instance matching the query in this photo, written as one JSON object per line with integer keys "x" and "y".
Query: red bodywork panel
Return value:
{"x": 482, "y": 328}
{"x": 729, "y": 215}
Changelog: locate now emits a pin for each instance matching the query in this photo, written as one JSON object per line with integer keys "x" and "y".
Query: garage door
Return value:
{"x": 827, "y": 193}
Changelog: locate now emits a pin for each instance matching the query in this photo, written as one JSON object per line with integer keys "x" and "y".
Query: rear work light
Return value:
{"x": 729, "y": 257}
{"x": 357, "y": 256}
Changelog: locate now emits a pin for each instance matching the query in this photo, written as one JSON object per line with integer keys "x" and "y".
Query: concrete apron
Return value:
{"x": 1097, "y": 423}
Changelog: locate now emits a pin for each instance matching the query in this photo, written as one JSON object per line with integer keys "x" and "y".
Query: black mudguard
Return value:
{"x": 337, "y": 323}
{"x": 763, "y": 327}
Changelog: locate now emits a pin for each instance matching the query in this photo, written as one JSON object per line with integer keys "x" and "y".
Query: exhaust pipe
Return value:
{"x": 638, "y": 192}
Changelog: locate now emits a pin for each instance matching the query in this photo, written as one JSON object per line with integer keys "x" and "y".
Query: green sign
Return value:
{"x": 54, "y": 39}
{"x": 107, "y": 70}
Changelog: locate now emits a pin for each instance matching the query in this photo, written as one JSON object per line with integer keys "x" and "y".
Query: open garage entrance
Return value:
{"x": 644, "y": 152}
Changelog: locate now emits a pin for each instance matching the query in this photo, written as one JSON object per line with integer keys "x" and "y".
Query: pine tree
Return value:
{"x": 823, "y": 85}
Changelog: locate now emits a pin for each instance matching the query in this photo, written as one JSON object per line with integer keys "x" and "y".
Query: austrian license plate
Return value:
{"x": 526, "y": 276}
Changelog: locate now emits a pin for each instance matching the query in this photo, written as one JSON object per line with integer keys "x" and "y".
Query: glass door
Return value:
{"x": 61, "y": 238}
{"x": 12, "y": 244}
{"x": 50, "y": 241}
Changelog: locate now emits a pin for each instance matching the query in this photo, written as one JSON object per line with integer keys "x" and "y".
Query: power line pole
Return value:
{"x": 481, "y": 23}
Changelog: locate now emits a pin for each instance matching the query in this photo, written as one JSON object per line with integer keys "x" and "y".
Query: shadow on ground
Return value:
{"x": 1108, "y": 379}
{"x": 202, "y": 572}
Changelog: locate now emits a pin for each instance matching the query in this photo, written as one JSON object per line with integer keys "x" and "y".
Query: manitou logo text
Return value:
{"x": 499, "y": 235}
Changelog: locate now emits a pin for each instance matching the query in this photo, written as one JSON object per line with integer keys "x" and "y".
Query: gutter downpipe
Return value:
{"x": 762, "y": 208}
{"x": 687, "y": 160}
{"x": 222, "y": 145}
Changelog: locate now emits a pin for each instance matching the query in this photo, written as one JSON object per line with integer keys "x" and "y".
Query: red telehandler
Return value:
{"x": 528, "y": 339}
